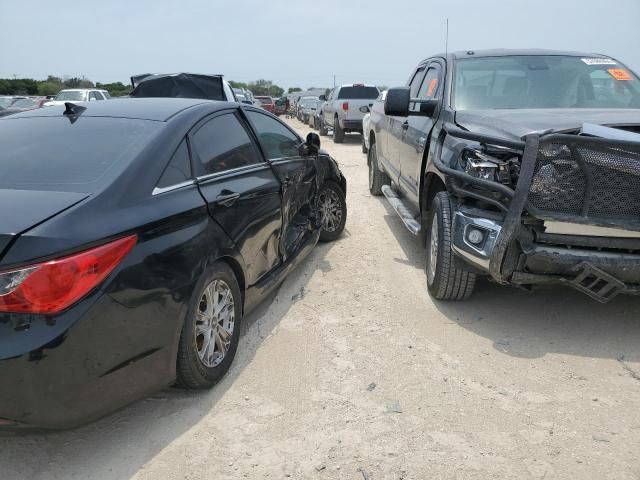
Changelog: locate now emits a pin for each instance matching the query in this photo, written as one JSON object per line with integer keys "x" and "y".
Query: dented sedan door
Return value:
{"x": 298, "y": 177}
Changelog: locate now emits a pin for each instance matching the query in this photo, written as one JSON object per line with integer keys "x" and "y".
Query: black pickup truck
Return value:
{"x": 523, "y": 166}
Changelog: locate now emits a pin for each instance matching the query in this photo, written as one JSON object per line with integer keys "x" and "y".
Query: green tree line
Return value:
{"x": 52, "y": 85}
{"x": 260, "y": 87}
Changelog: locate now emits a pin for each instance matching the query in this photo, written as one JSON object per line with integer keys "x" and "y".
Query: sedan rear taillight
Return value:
{"x": 50, "y": 287}
{"x": 345, "y": 106}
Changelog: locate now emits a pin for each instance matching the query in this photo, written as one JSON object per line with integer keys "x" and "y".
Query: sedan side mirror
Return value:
{"x": 323, "y": 98}
{"x": 364, "y": 109}
{"x": 313, "y": 143}
{"x": 397, "y": 102}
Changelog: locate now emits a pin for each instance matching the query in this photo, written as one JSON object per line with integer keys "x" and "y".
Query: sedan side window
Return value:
{"x": 276, "y": 139}
{"x": 223, "y": 144}
{"x": 179, "y": 168}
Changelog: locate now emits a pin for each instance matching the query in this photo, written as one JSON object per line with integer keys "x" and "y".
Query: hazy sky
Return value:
{"x": 296, "y": 42}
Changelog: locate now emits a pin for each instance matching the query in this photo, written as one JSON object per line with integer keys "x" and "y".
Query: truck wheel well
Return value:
{"x": 432, "y": 185}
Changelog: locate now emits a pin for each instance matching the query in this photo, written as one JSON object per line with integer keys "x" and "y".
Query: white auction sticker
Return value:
{"x": 599, "y": 61}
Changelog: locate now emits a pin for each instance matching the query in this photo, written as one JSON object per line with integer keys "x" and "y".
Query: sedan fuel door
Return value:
{"x": 297, "y": 174}
{"x": 240, "y": 189}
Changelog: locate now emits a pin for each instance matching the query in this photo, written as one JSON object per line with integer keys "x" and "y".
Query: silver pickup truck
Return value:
{"x": 341, "y": 110}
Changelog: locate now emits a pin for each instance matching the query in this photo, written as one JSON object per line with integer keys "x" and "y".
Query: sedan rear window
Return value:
{"x": 53, "y": 153}
{"x": 358, "y": 93}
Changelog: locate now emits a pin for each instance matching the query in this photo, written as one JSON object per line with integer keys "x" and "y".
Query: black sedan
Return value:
{"x": 134, "y": 236}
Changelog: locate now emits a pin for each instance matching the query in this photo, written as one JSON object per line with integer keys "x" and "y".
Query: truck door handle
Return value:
{"x": 227, "y": 199}
{"x": 405, "y": 125}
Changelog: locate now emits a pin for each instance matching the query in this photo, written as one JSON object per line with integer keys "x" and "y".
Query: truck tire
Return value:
{"x": 445, "y": 279}
{"x": 364, "y": 146}
{"x": 323, "y": 131}
{"x": 377, "y": 178}
{"x": 338, "y": 133}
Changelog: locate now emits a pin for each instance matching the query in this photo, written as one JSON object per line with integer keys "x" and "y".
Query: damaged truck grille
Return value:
{"x": 589, "y": 178}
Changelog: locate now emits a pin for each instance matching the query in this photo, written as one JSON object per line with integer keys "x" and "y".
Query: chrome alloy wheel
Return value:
{"x": 215, "y": 320}
{"x": 433, "y": 250}
{"x": 330, "y": 210}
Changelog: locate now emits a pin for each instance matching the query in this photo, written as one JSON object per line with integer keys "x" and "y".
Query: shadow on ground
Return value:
{"x": 111, "y": 447}
{"x": 532, "y": 324}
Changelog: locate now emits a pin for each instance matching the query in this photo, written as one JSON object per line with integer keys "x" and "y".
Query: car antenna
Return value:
{"x": 73, "y": 109}
{"x": 446, "y": 40}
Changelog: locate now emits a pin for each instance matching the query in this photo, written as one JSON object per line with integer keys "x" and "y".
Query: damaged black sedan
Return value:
{"x": 523, "y": 166}
{"x": 135, "y": 235}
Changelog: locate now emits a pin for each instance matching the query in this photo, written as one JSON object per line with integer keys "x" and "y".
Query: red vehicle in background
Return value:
{"x": 267, "y": 103}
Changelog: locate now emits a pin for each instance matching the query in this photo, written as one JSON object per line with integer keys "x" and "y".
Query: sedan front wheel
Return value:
{"x": 332, "y": 206}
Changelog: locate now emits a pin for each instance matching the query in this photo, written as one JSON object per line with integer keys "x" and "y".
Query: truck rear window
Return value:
{"x": 52, "y": 153}
{"x": 358, "y": 93}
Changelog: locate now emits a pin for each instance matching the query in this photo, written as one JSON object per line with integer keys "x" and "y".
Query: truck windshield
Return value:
{"x": 73, "y": 95}
{"x": 544, "y": 82}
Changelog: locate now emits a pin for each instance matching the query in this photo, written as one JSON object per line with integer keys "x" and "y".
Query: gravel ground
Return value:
{"x": 353, "y": 372}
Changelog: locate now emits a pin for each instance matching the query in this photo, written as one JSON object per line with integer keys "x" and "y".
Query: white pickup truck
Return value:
{"x": 341, "y": 110}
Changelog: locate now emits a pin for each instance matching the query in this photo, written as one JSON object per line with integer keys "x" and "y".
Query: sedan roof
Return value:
{"x": 158, "y": 109}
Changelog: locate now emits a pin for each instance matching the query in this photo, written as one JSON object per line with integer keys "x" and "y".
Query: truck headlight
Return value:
{"x": 479, "y": 165}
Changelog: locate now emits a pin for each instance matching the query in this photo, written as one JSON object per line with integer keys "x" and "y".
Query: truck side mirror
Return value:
{"x": 397, "y": 102}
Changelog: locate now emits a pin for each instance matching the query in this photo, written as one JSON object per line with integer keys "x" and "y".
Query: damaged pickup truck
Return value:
{"x": 523, "y": 166}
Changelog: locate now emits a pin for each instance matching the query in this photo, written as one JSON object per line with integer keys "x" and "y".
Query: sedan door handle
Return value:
{"x": 228, "y": 199}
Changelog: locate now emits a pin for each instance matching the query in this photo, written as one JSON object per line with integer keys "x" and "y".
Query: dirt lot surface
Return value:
{"x": 353, "y": 372}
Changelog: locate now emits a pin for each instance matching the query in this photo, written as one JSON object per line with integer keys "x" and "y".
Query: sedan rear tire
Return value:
{"x": 211, "y": 331}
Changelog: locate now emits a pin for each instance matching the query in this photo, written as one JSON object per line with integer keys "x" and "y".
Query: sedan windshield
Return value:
{"x": 544, "y": 82}
{"x": 74, "y": 95}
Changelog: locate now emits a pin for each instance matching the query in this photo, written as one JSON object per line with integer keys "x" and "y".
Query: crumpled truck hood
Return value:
{"x": 515, "y": 124}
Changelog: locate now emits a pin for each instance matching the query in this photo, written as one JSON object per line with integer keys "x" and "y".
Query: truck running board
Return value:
{"x": 401, "y": 209}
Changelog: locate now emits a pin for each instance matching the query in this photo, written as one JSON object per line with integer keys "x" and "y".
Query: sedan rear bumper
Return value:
{"x": 93, "y": 365}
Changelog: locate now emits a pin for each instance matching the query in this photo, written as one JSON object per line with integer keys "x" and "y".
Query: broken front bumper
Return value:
{"x": 548, "y": 190}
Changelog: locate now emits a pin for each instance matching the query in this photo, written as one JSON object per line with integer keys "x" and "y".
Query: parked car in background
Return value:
{"x": 378, "y": 105}
{"x": 182, "y": 85}
{"x": 307, "y": 108}
{"x": 500, "y": 162}
{"x": 19, "y": 104}
{"x": 103, "y": 302}
{"x": 341, "y": 112}
{"x": 314, "y": 120}
{"x": 280, "y": 106}
{"x": 267, "y": 102}
{"x": 244, "y": 96}
{"x": 78, "y": 95}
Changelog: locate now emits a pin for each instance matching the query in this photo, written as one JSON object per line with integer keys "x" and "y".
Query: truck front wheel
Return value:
{"x": 377, "y": 178}
{"x": 338, "y": 133}
{"x": 445, "y": 279}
